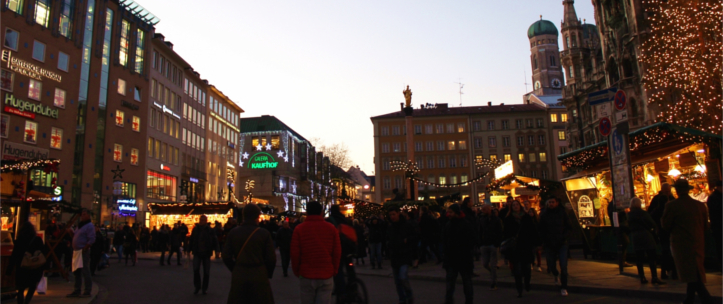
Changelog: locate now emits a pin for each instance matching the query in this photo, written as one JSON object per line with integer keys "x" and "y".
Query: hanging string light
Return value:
{"x": 682, "y": 55}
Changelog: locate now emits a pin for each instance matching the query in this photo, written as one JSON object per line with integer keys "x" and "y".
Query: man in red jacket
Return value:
{"x": 315, "y": 255}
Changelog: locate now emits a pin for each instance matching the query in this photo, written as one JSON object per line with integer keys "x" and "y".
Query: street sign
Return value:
{"x": 620, "y": 100}
{"x": 621, "y": 116}
{"x": 601, "y": 96}
{"x": 602, "y": 110}
{"x": 605, "y": 126}
{"x": 620, "y": 165}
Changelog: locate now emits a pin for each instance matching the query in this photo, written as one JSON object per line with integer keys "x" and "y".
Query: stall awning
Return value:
{"x": 190, "y": 208}
{"x": 646, "y": 144}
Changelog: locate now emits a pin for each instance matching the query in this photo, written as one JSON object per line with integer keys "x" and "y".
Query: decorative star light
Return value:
{"x": 286, "y": 158}
{"x": 118, "y": 172}
{"x": 245, "y": 155}
{"x": 259, "y": 147}
{"x": 268, "y": 147}
{"x": 293, "y": 188}
{"x": 241, "y": 164}
{"x": 280, "y": 153}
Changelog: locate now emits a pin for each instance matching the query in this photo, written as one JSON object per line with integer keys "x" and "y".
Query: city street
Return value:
{"x": 148, "y": 282}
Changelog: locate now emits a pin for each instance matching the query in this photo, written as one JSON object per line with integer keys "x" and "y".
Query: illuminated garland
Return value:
{"x": 479, "y": 178}
{"x": 487, "y": 163}
{"x": 22, "y": 166}
{"x": 410, "y": 168}
{"x": 682, "y": 55}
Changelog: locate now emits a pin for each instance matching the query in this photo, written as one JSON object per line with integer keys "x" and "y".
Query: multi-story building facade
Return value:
{"x": 286, "y": 169}
{"x": 164, "y": 157}
{"x": 547, "y": 77}
{"x": 222, "y": 154}
{"x": 366, "y": 183}
{"x": 441, "y": 151}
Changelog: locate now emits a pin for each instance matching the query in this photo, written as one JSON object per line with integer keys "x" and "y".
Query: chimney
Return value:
{"x": 442, "y": 106}
{"x": 159, "y": 36}
{"x": 169, "y": 44}
{"x": 489, "y": 103}
{"x": 502, "y": 104}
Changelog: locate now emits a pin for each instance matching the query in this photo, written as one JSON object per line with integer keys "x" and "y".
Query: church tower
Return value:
{"x": 547, "y": 77}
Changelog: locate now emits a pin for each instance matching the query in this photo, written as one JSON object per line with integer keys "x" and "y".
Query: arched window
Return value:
{"x": 567, "y": 41}
{"x": 574, "y": 40}
{"x": 534, "y": 61}
{"x": 552, "y": 61}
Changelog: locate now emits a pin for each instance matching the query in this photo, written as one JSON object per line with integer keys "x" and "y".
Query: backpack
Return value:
{"x": 34, "y": 260}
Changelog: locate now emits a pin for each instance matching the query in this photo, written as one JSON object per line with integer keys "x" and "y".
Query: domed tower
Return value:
{"x": 547, "y": 78}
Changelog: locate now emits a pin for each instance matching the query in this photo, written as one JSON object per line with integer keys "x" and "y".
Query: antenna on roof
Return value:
{"x": 525, "y": 71}
{"x": 461, "y": 85}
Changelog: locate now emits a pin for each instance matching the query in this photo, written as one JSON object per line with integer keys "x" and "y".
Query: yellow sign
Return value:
{"x": 28, "y": 69}
{"x": 504, "y": 170}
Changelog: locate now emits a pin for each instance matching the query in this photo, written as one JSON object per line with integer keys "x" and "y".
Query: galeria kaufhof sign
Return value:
{"x": 263, "y": 160}
{"x": 27, "y": 109}
{"x": 28, "y": 69}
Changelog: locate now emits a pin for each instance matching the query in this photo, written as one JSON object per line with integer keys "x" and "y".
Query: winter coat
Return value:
{"x": 554, "y": 227}
{"x": 315, "y": 249}
{"x": 163, "y": 239}
{"x": 686, "y": 219}
{"x": 657, "y": 205}
{"x": 118, "y": 238}
{"x": 25, "y": 277}
{"x": 175, "y": 238}
{"x": 429, "y": 228}
{"x": 376, "y": 232}
{"x": 642, "y": 230}
{"x": 715, "y": 210}
{"x": 203, "y": 241}
{"x": 253, "y": 268}
{"x": 490, "y": 231}
{"x": 361, "y": 237}
{"x": 401, "y": 242}
{"x": 523, "y": 229}
{"x": 283, "y": 238}
{"x": 459, "y": 241}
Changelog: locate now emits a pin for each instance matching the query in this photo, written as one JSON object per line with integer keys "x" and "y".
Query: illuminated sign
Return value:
{"x": 165, "y": 168}
{"x": 504, "y": 170}
{"x": 193, "y": 180}
{"x": 166, "y": 110}
{"x": 28, "y": 69}
{"x": 27, "y": 109}
{"x": 262, "y": 160}
{"x": 127, "y": 205}
{"x": 58, "y": 191}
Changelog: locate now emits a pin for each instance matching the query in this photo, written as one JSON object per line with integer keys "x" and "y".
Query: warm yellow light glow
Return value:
{"x": 650, "y": 178}
{"x": 673, "y": 172}
{"x": 700, "y": 168}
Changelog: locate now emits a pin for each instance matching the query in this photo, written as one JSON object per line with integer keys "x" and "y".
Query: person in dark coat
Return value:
{"x": 401, "y": 243}
{"x": 642, "y": 231}
{"x": 154, "y": 239}
{"x": 429, "y": 236}
{"x": 162, "y": 242}
{"x": 118, "y": 240}
{"x": 518, "y": 224}
{"x": 97, "y": 250}
{"x": 376, "y": 238}
{"x": 283, "y": 241}
{"x": 490, "y": 237}
{"x": 554, "y": 228}
{"x": 459, "y": 242}
{"x": 249, "y": 254}
{"x": 175, "y": 241}
{"x": 687, "y": 219}
{"x": 145, "y": 238}
{"x": 657, "y": 205}
{"x": 203, "y": 243}
{"x": 471, "y": 218}
{"x": 715, "y": 211}
{"x": 361, "y": 236}
{"x": 130, "y": 245}
{"x": 26, "y": 278}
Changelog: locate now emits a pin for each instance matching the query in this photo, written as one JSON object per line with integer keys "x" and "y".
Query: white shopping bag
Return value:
{"x": 42, "y": 286}
{"x": 77, "y": 259}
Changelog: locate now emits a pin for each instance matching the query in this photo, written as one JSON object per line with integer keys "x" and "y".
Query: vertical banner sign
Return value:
{"x": 620, "y": 163}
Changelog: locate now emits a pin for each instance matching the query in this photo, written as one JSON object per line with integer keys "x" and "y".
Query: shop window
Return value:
{"x": 62, "y": 61}
{"x": 38, "y": 51}
{"x": 42, "y": 180}
{"x": 553, "y": 117}
{"x": 31, "y": 132}
{"x": 56, "y": 138}
{"x": 117, "y": 153}
{"x": 15, "y": 6}
{"x": 35, "y": 89}
{"x": 119, "y": 118}
{"x": 42, "y": 12}
{"x": 275, "y": 142}
{"x": 543, "y": 156}
{"x": 11, "y": 39}
{"x": 161, "y": 186}
{"x": 59, "y": 100}
{"x": 137, "y": 124}
{"x": 450, "y": 145}
{"x": 462, "y": 145}
{"x": 521, "y": 157}
{"x": 6, "y": 80}
{"x": 122, "y": 86}
{"x": 134, "y": 157}
{"x": 532, "y": 157}
{"x": 4, "y": 125}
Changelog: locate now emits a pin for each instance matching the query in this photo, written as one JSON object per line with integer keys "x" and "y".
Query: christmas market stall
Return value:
{"x": 189, "y": 213}
{"x": 27, "y": 189}
{"x": 659, "y": 153}
{"x": 522, "y": 188}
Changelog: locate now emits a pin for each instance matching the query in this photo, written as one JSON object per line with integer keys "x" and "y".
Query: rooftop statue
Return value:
{"x": 407, "y": 97}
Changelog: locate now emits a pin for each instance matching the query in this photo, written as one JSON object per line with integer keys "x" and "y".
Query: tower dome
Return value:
{"x": 542, "y": 27}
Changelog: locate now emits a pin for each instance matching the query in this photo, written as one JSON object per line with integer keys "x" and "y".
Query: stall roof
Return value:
{"x": 646, "y": 144}
{"x": 190, "y": 208}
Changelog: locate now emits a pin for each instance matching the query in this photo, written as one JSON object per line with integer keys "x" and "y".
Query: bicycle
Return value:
{"x": 356, "y": 290}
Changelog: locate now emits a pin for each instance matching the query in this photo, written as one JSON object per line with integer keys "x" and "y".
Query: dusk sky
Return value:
{"x": 326, "y": 67}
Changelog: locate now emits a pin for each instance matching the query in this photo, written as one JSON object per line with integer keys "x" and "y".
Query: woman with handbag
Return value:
{"x": 642, "y": 230}
{"x": 28, "y": 261}
{"x": 520, "y": 238}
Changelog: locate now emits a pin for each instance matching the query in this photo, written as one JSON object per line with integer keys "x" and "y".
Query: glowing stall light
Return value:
{"x": 673, "y": 172}
{"x": 700, "y": 168}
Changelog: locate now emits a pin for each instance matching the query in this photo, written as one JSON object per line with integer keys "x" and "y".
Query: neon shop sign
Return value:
{"x": 127, "y": 206}
{"x": 263, "y": 160}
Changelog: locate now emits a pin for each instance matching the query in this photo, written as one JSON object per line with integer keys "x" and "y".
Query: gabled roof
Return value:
{"x": 265, "y": 123}
{"x": 444, "y": 110}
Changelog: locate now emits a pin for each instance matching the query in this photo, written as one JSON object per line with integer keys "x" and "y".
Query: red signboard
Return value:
{"x": 165, "y": 168}
{"x": 15, "y": 111}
